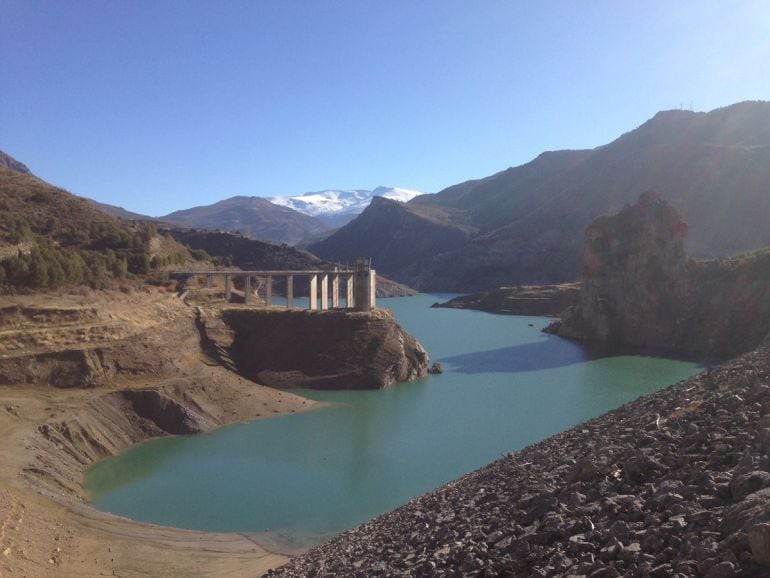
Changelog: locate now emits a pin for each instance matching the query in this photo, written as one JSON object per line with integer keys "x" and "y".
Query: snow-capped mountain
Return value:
{"x": 336, "y": 208}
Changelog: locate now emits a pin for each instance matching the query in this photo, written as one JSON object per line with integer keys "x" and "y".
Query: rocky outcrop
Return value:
{"x": 668, "y": 485}
{"x": 520, "y": 300}
{"x": 640, "y": 288}
{"x": 324, "y": 350}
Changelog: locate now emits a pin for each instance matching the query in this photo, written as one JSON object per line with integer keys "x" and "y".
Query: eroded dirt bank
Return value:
{"x": 84, "y": 377}
{"x": 676, "y": 483}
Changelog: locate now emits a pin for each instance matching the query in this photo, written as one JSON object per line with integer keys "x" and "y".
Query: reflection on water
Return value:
{"x": 307, "y": 476}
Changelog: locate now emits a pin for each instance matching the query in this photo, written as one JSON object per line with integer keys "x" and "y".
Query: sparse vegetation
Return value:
{"x": 54, "y": 239}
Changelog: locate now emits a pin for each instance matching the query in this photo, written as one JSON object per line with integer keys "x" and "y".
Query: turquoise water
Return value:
{"x": 304, "y": 477}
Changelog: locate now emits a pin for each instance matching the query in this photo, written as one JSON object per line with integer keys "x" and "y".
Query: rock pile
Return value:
{"x": 676, "y": 483}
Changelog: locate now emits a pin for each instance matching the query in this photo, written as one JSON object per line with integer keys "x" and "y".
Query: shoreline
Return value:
{"x": 673, "y": 483}
{"x": 49, "y": 437}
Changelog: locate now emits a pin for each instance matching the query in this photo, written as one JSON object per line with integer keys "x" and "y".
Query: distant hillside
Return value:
{"x": 50, "y": 238}
{"x": 525, "y": 224}
{"x": 119, "y": 212}
{"x": 8, "y": 162}
{"x": 393, "y": 233}
{"x": 250, "y": 254}
{"x": 336, "y": 208}
{"x": 253, "y": 216}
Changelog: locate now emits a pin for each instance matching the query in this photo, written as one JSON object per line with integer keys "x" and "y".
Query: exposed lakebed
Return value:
{"x": 305, "y": 477}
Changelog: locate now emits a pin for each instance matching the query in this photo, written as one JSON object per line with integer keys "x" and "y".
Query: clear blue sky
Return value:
{"x": 158, "y": 105}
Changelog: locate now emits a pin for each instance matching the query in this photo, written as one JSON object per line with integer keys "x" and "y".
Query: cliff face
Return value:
{"x": 329, "y": 350}
{"x": 640, "y": 287}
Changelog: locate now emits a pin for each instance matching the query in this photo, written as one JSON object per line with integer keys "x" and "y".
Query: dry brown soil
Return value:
{"x": 134, "y": 360}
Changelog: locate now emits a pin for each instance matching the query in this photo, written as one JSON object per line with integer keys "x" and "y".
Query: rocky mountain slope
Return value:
{"x": 393, "y": 233}
{"x": 525, "y": 224}
{"x": 336, "y": 208}
{"x": 253, "y": 216}
{"x": 640, "y": 288}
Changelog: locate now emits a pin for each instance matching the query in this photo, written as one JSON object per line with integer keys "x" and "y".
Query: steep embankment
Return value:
{"x": 525, "y": 224}
{"x": 676, "y": 483}
{"x": 640, "y": 288}
{"x": 329, "y": 350}
{"x": 520, "y": 300}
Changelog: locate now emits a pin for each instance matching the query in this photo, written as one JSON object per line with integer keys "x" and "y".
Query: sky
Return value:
{"x": 159, "y": 105}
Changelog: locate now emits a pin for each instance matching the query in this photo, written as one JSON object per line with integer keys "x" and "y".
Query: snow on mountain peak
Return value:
{"x": 338, "y": 203}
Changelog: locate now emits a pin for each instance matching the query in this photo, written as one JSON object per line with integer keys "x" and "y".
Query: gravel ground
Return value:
{"x": 672, "y": 484}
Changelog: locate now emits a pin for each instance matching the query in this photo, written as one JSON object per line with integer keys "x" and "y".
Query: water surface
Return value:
{"x": 305, "y": 477}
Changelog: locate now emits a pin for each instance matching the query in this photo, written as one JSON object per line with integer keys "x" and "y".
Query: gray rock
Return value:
{"x": 722, "y": 570}
{"x": 744, "y": 484}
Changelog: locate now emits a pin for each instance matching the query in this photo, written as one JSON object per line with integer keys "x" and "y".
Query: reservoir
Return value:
{"x": 297, "y": 480}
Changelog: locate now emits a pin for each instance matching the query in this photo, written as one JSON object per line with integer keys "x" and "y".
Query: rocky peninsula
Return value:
{"x": 541, "y": 300}
{"x": 641, "y": 288}
{"x": 330, "y": 350}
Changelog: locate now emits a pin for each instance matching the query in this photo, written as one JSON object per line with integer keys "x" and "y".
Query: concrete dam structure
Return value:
{"x": 326, "y": 289}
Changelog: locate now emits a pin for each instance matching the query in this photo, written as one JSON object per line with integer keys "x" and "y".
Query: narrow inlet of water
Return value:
{"x": 300, "y": 479}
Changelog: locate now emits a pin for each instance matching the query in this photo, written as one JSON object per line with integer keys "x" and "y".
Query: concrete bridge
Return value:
{"x": 358, "y": 286}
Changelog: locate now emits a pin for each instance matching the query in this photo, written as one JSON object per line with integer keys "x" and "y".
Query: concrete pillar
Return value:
{"x": 247, "y": 290}
{"x": 349, "y": 301}
{"x": 313, "y": 294}
{"x": 209, "y": 281}
{"x": 290, "y": 292}
{"x": 269, "y": 291}
{"x": 372, "y": 288}
{"x": 228, "y": 288}
{"x": 324, "y": 292}
{"x": 335, "y": 290}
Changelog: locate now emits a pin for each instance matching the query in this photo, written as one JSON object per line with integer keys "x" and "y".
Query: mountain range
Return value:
{"x": 525, "y": 224}
{"x": 253, "y": 216}
{"x": 336, "y": 208}
{"x": 294, "y": 220}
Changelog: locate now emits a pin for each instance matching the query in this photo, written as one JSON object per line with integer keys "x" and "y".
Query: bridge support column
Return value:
{"x": 269, "y": 291}
{"x": 290, "y": 292}
{"x": 372, "y": 288}
{"x": 313, "y": 295}
{"x": 247, "y": 289}
{"x": 335, "y": 290}
{"x": 349, "y": 301}
{"x": 324, "y": 292}
{"x": 228, "y": 288}
{"x": 209, "y": 281}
